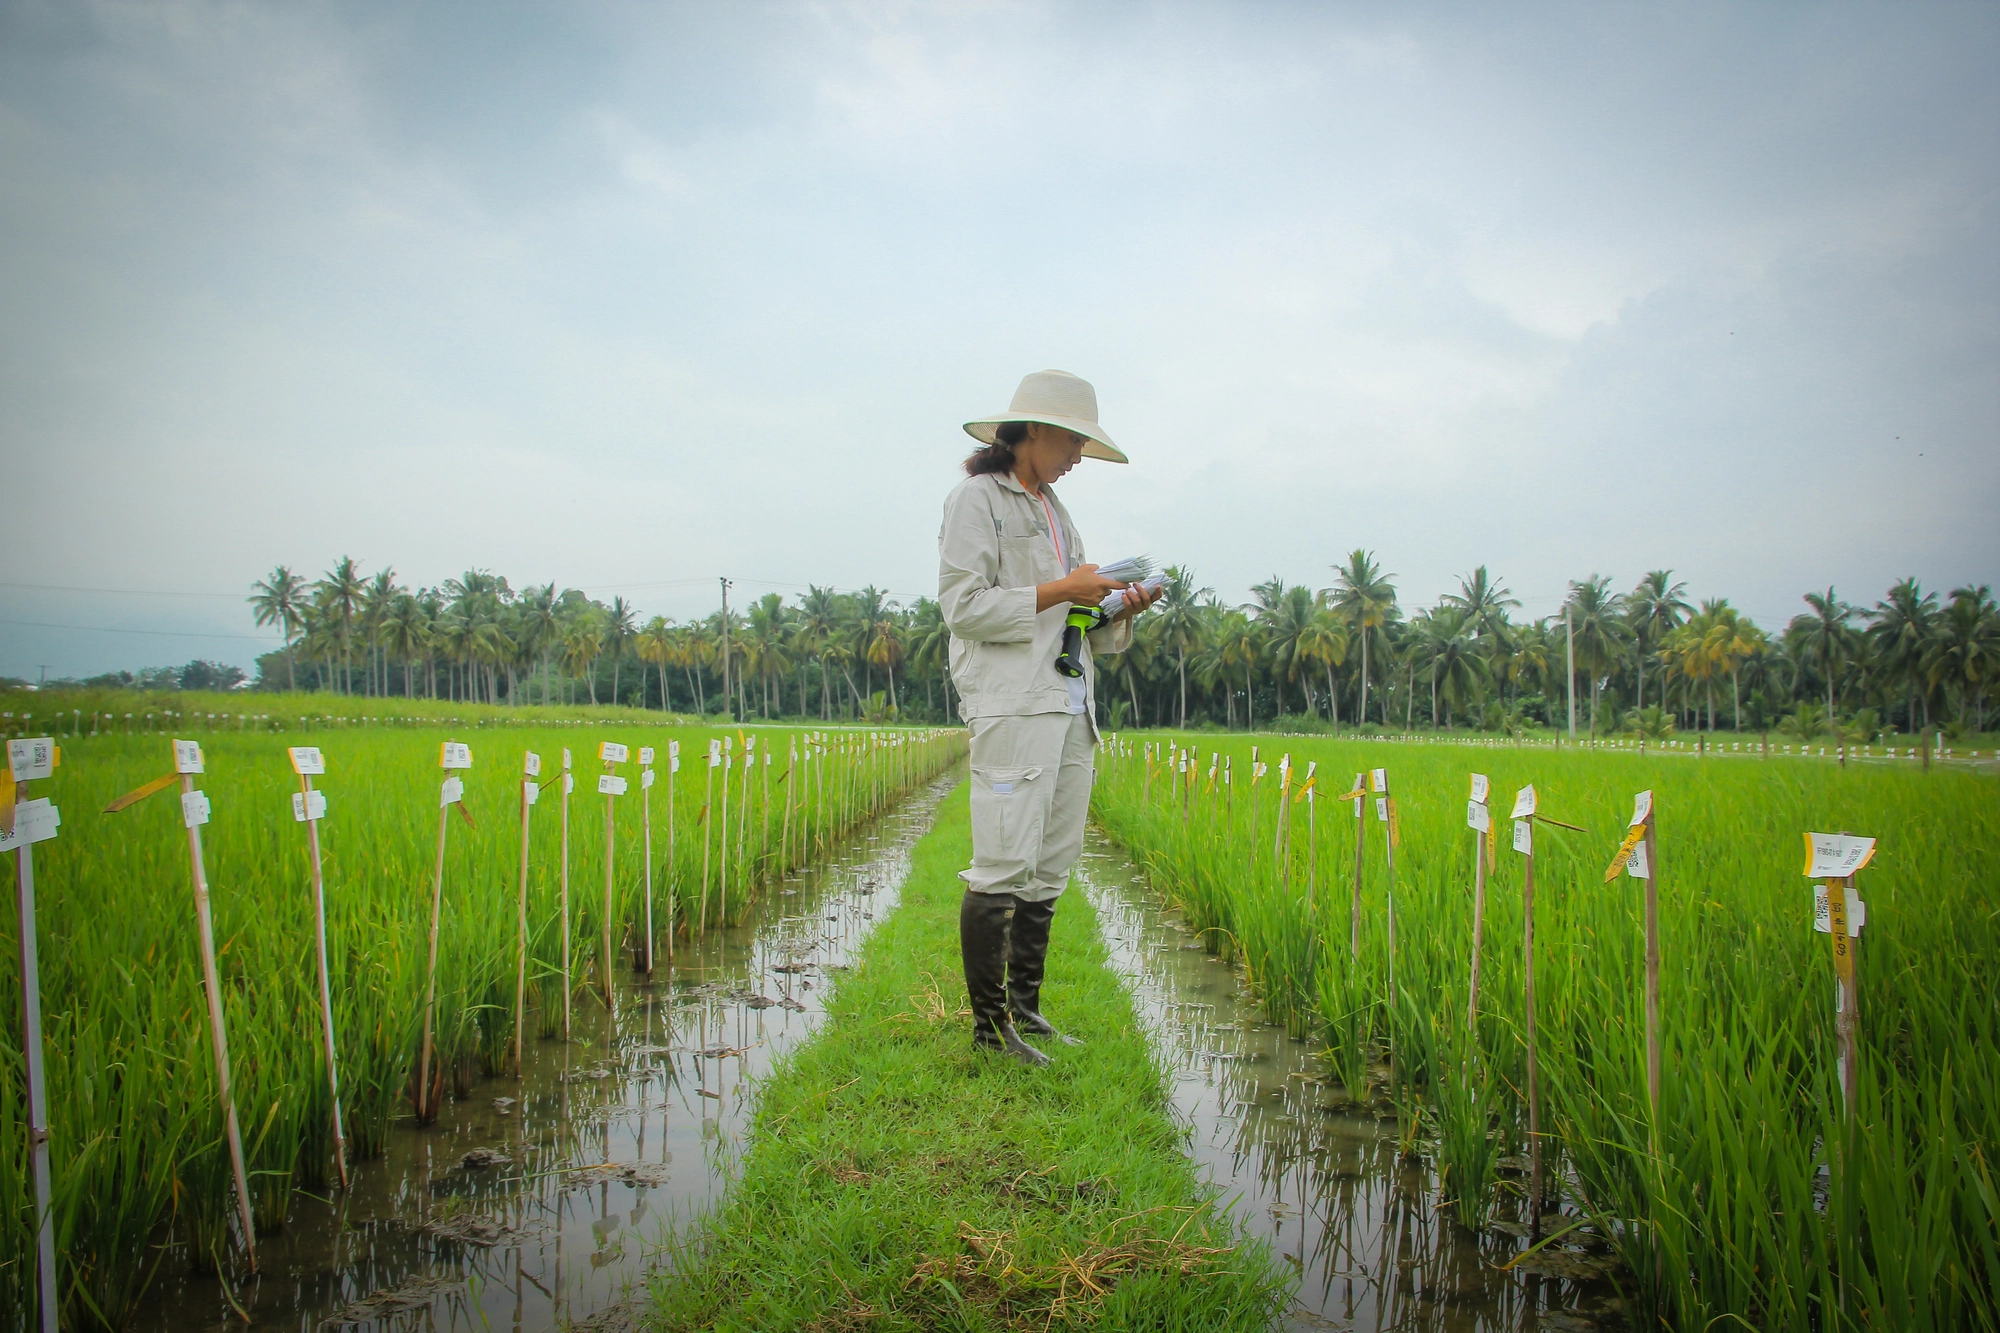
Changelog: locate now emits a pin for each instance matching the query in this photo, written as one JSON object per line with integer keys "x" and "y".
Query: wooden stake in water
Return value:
{"x": 1638, "y": 858}
{"x": 452, "y": 757}
{"x": 1525, "y": 816}
{"x": 646, "y": 831}
{"x": 673, "y": 886}
{"x": 722, "y": 884}
{"x": 531, "y": 768}
{"x": 1357, "y": 795}
{"x": 1480, "y": 821}
{"x": 610, "y": 786}
{"x": 1839, "y": 913}
{"x": 562, "y": 881}
{"x": 308, "y": 808}
{"x": 1306, "y": 794}
{"x": 24, "y": 823}
{"x": 707, "y": 824}
{"x": 1385, "y": 814}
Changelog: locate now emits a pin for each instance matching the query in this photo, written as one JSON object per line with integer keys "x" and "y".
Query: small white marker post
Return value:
{"x": 1839, "y": 912}
{"x": 1638, "y": 857}
{"x": 1525, "y": 815}
{"x": 24, "y": 823}
{"x": 308, "y": 808}
{"x": 1357, "y": 794}
{"x": 646, "y": 829}
{"x": 453, "y": 757}
{"x": 673, "y": 891}
{"x": 568, "y": 786}
{"x": 1480, "y": 820}
{"x": 1306, "y": 793}
{"x": 531, "y": 768}
{"x": 1385, "y": 814}
{"x": 707, "y": 825}
{"x": 610, "y": 786}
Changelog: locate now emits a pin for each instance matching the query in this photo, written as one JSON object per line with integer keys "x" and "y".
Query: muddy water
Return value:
{"x": 1317, "y": 1176}
{"x": 539, "y": 1204}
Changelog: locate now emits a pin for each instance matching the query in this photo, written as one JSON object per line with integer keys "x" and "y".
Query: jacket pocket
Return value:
{"x": 1007, "y": 808}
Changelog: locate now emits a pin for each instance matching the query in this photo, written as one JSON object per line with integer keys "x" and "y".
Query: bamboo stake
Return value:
{"x": 1653, "y": 975}
{"x": 451, "y": 757}
{"x": 611, "y": 786}
{"x": 646, "y": 832}
{"x": 306, "y": 761}
{"x": 531, "y": 767}
{"x": 722, "y": 879}
{"x": 1360, "y": 841}
{"x": 707, "y": 826}
{"x": 28, "y": 760}
{"x": 1528, "y": 988}
{"x": 194, "y": 813}
{"x": 673, "y": 861}
{"x": 568, "y": 786}
{"x": 1480, "y": 821}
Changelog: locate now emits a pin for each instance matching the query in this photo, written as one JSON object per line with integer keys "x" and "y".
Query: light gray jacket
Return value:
{"x": 993, "y": 548}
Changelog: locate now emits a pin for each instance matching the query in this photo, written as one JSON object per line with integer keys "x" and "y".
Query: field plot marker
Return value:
{"x": 568, "y": 786}
{"x": 531, "y": 768}
{"x": 1638, "y": 857}
{"x": 24, "y": 823}
{"x": 610, "y": 786}
{"x": 1357, "y": 794}
{"x": 646, "y": 828}
{"x": 1524, "y": 842}
{"x": 1385, "y": 813}
{"x": 308, "y": 808}
{"x": 453, "y": 757}
{"x": 1312, "y": 833}
{"x": 673, "y": 891}
{"x": 708, "y": 825}
{"x": 194, "y": 813}
{"x": 1480, "y": 820}
{"x": 1839, "y": 912}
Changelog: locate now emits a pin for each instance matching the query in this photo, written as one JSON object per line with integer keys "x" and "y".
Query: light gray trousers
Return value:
{"x": 1030, "y": 793}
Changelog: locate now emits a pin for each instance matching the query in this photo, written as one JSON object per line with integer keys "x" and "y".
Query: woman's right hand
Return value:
{"x": 1082, "y": 586}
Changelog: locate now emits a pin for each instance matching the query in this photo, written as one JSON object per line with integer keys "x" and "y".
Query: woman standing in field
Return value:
{"x": 1010, "y": 566}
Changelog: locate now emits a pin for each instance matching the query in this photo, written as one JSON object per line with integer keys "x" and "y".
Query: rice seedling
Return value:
{"x": 1762, "y": 1139}
{"x": 467, "y": 944}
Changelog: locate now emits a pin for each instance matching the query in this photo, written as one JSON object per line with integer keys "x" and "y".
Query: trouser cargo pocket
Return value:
{"x": 1009, "y": 806}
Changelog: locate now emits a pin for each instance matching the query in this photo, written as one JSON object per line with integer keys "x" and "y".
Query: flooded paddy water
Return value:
{"x": 1320, "y": 1178}
{"x": 537, "y": 1204}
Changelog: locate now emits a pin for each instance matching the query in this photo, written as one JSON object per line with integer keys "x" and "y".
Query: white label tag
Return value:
{"x": 187, "y": 756}
{"x": 646, "y": 779}
{"x": 34, "y": 758}
{"x": 454, "y": 754}
{"x": 308, "y": 805}
{"x": 1642, "y": 805}
{"x": 569, "y": 783}
{"x": 1382, "y": 809}
{"x": 531, "y": 791}
{"x": 646, "y": 756}
{"x": 531, "y": 764}
{"x": 1838, "y": 855}
{"x": 1378, "y": 780}
{"x": 673, "y": 749}
{"x": 452, "y": 792}
{"x": 715, "y": 754}
{"x": 34, "y": 821}
{"x": 1857, "y": 912}
{"x": 674, "y": 764}
{"x": 1477, "y": 818}
{"x": 610, "y": 784}
{"x": 307, "y": 761}
{"x": 1636, "y": 865}
{"x": 1524, "y": 836}
{"x": 1480, "y": 787}
{"x": 565, "y": 762}
{"x": 611, "y": 752}
{"x": 194, "y": 808}
{"x": 1524, "y": 803}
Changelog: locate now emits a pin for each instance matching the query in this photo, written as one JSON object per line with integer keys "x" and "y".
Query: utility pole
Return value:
{"x": 44, "y": 668}
{"x": 1569, "y": 635}
{"x": 729, "y": 703}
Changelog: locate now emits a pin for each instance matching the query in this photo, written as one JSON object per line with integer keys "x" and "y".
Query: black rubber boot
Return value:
{"x": 983, "y": 930}
{"x": 1027, "y": 954}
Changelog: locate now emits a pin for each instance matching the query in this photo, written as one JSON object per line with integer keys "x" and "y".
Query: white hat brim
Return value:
{"x": 984, "y": 429}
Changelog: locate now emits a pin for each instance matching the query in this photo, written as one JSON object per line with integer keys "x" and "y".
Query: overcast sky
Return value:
{"x": 629, "y": 297}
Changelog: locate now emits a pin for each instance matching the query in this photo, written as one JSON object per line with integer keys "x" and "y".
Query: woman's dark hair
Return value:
{"x": 999, "y": 455}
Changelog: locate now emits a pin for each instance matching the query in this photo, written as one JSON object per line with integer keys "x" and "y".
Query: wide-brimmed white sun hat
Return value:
{"x": 1054, "y": 398}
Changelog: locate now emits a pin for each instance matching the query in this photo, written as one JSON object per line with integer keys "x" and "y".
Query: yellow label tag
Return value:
{"x": 7, "y": 801}
{"x": 1395, "y": 826}
{"x": 1836, "y": 913}
{"x": 1633, "y": 838}
{"x": 138, "y": 794}
{"x": 1305, "y": 790}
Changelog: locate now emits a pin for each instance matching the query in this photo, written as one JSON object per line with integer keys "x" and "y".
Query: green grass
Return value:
{"x": 1768, "y": 1204}
{"x": 899, "y": 1179}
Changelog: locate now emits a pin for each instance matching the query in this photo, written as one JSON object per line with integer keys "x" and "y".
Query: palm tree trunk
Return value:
{"x": 1332, "y": 700}
{"x": 1183, "y": 668}
{"x": 1362, "y": 716}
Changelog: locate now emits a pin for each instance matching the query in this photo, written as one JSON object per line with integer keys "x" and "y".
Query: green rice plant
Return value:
{"x": 1755, "y": 1195}
{"x": 137, "y": 1142}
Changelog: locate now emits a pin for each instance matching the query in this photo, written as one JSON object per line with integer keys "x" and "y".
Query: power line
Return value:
{"x": 122, "y": 592}
{"x": 162, "y": 633}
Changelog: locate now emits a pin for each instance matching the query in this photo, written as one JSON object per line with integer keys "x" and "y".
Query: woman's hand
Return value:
{"x": 1137, "y": 598}
{"x": 1082, "y": 586}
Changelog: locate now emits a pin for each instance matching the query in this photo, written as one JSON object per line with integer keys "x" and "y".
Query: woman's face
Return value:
{"x": 1047, "y": 453}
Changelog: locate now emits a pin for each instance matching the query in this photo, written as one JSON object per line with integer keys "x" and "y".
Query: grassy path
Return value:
{"x": 898, "y": 1179}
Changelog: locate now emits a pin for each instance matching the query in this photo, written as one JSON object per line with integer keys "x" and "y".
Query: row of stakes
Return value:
{"x": 1835, "y": 859}
{"x": 25, "y": 822}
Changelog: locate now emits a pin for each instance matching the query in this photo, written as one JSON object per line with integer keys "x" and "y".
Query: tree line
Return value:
{"x": 1647, "y": 661}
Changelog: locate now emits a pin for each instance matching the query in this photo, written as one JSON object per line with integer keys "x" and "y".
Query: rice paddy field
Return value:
{"x": 1756, "y": 1197}
{"x": 142, "y": 1175}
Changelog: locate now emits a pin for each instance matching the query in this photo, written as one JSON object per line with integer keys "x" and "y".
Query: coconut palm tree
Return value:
{"x": 618, "y": 630}
{"x": 1602, "y": 639}
{"x": 1965, "y": 653}
{"x": 1903, "y": 627}
{"x": 1178, "y": 622}
{"x": 582, "y": 645}
{"x": 405, "y": 631}
{"x": 655, "y": 644}
{"x": 1485, "y": 602}
{"x": 1823, "y": 636}
{"x": 1654, "y": 609}
{"x": 1366, "y": 600}
{"x": 340, "y": 592}
{"x": 280, "y": 600}
{"x": 1323, "y": 643}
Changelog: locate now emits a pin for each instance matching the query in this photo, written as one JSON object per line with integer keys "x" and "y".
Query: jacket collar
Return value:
{"x": 1013, "y": 483}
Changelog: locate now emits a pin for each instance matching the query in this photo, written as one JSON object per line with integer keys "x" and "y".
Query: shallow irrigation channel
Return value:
{"x": 539, "y": 1204}
{"x": 1325, "y": 1180}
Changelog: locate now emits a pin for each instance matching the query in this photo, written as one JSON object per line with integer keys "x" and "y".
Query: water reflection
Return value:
{"x": 1319, "y": 1178}
{"x": 536, "y": 1204}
